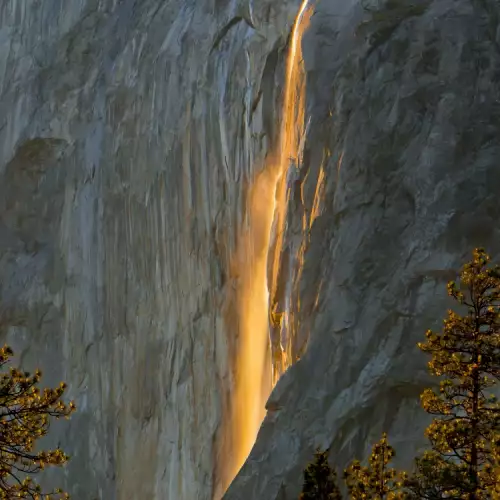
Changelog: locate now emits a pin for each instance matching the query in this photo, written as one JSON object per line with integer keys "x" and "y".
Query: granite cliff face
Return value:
{"x": 129, "y": 133}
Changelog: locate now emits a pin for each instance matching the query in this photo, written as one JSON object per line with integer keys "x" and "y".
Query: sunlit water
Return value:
{"x": 255, "y": 373}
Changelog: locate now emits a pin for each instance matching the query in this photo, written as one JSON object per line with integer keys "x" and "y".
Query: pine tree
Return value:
{"x": 25, "y": 415}
{"x": 320, "y": 480}
{"x": 377, "y": 481}
{"x": 466, "y": 353}
{"x": 494, "y": 488}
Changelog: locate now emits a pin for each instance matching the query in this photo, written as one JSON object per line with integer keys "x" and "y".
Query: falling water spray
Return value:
{"x": 266, "y": 211}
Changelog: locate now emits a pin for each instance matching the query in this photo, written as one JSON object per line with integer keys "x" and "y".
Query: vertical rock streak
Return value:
{"x": 263, "y": 229}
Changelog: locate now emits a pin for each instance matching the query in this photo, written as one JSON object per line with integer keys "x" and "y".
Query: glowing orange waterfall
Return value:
{"x": 266, "y": 212}
{"x": 291, "y": 135}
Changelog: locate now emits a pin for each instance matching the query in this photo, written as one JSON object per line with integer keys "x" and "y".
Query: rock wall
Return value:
{"x": 129, "y": 131}
{"x": 405, "y": 120}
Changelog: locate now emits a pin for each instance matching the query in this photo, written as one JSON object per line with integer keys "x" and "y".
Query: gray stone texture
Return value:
{"x": 129, "y": 131}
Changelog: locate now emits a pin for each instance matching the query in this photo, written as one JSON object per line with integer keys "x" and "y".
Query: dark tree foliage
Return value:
{"x": 462, "y": 462}
{"x": 378, "y": 480}
{"x": 320, "y": 480}
{"x": 25, "y": 414}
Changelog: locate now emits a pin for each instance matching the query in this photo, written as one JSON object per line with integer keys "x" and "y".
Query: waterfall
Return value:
{"x": 289, "y": 159}
{"x": 260, "y": 361}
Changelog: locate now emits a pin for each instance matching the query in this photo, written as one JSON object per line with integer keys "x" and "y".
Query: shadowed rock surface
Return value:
{"x": 128, "y": 134}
